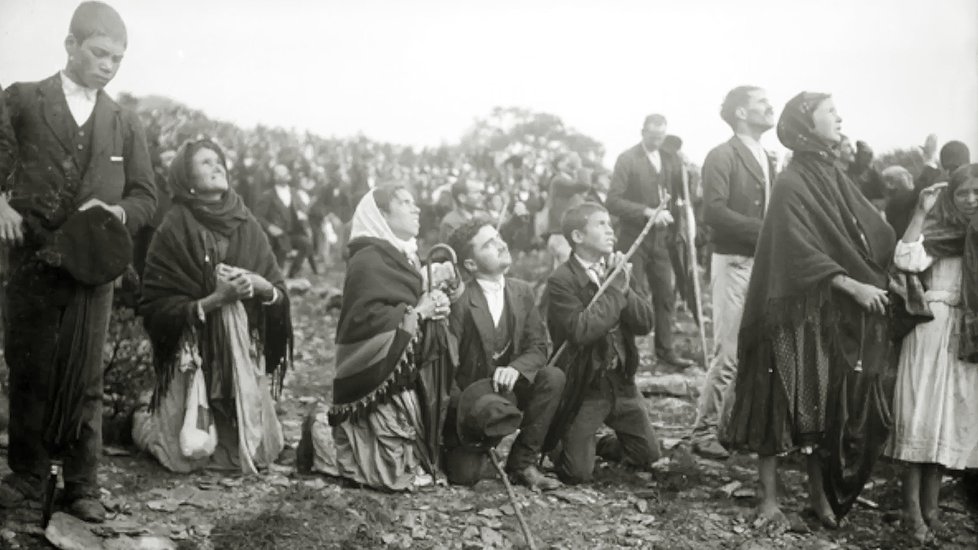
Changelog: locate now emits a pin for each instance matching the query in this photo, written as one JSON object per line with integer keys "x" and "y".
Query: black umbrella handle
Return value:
{"x": 50, "y": 488}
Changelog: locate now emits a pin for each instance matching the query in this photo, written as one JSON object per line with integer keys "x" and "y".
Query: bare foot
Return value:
{"x": 935, "y": 525}
{"x": 915, "y": 527}
{"x": 770, "y": 517}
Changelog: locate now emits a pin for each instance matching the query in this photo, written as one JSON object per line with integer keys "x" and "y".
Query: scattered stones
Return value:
{"x": 729, "y": 489}
{"x": 70, "y": 533}
{"x": 675, "y": 385}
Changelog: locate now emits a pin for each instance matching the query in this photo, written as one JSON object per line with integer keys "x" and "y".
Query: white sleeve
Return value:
{"x": 912, "y": 257}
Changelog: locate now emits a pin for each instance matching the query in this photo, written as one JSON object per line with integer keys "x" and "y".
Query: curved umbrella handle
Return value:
{"x": 451, "y": 255}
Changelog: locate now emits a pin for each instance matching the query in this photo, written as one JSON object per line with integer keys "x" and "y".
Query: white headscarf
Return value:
{"x": 369, "y": 222}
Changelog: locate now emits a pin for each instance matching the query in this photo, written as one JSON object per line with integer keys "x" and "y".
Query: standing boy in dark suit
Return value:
{"x": 645, "y": 176}
{"x": 501, "y": 337}
{"x": 601, "y": 358}
{"x": 76, "y": 149}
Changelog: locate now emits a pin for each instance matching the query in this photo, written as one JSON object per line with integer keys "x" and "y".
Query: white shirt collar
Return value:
{"x": 284, "y": 194}
{"x": 76, "y": 90}
{"x": 588, "y": 268}
{"x": 80, "y": 100}
{"x": 492, "y": 285}
{"x": 494, "y": 291}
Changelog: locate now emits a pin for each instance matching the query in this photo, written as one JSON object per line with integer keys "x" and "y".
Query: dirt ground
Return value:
{"x": 684, "y": 502}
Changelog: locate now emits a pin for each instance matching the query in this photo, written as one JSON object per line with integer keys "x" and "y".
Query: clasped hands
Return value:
{"x": 235, "y": 283}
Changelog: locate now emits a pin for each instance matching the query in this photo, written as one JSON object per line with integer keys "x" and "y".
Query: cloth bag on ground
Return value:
{"x": 198, "y": 436}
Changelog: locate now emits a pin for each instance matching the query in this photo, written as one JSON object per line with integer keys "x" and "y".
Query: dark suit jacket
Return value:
{"x": 472, "y": 325}
{"x": 733, "y": 197}
{"x": 48, "y": 185}
{"x": 635, "y": 186}
{"x": 8, "y": 142}
{"x": 569, "y": 291}
{"x": 270, "y": 210}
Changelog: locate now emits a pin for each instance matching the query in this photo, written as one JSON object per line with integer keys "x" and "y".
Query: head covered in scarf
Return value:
{"x": 945, "y": 229}
{"x": 222, "y": 215}
{"x": 796, "y": 127}
{"x": 369, "y": 221}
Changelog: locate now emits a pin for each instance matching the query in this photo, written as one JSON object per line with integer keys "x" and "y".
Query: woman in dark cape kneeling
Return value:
{"x": 215, "y": 307}
{"x": 815, "y": 354}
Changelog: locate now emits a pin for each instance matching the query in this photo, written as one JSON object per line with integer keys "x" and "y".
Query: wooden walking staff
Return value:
{"x": 494, "y": 458}
{"x": 607, "y": 282}
{"x": 697, "y": 292}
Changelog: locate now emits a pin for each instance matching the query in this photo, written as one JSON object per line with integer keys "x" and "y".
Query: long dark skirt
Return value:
{"x": 803, "y": 386}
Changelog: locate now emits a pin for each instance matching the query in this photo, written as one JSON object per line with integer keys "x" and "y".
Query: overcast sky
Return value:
{"x": 419, "y": 72}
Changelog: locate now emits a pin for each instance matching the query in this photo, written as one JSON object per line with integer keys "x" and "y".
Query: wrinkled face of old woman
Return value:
{"x": 208, "y": 170}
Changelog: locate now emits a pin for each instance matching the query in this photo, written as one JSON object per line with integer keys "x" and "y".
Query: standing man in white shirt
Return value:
{"x": 501, "y": 337}
{"x": 645, "y": 177}
{"x": 737, "y": 178}
{"x": 76, "y": 149}
{"x": 285, "y": 221}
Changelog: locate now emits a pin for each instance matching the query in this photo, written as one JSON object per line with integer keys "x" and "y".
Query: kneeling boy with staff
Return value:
{"x": 594, "y": 323}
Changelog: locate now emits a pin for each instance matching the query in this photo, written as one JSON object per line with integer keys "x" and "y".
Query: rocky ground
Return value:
{"x": 685, "y": 502}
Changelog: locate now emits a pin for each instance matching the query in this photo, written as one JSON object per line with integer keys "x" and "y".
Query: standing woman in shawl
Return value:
{"x": 379, "y": 436}
{"x": 215, "y": 307}
{"x": 814, "y": 344}
{"x": 936, "y": 398}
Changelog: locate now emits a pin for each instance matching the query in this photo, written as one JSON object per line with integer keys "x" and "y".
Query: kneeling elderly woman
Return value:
{"x": 215, "y": 307}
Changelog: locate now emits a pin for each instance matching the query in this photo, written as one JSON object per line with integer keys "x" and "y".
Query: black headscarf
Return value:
{"x": 220, "y": 216}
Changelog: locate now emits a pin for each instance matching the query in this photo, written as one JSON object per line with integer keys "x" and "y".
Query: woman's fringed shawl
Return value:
{"x": 180, "y": 270}
{"x": 375, "y": 357}
{"x": 797, "y": 331}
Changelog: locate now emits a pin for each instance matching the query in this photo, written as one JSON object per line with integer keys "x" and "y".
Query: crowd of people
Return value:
{"x": 844, "y": 303}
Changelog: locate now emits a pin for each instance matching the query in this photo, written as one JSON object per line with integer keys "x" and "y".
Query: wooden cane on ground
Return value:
{"x": 618, "y": 268}
{"x": 494, "y": 458}
{"x": 694, "y": 264}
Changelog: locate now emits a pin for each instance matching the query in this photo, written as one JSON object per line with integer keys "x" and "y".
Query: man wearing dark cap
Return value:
{"x": 502, "y": 343}
{"x": 76, "y": 149}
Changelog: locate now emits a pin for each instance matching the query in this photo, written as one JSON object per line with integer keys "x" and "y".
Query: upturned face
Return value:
{"x": 827, "y": 122}
{"x": 759, "y": 112}
{"x": 490, "y": 254}
{"x": 94, "y": 62}
{"x": 208, "y": 172}
{"x": 598, "y": 235}
{"x": 404, "y": 216}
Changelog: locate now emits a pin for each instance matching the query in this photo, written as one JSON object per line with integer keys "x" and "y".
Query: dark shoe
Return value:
{"x": 87, "y": 509}
{"x": 535, "y": 480}
{"x": 15, "y": 489}
{"x": 672, "y": 358}
{"x": 710, "y": 448}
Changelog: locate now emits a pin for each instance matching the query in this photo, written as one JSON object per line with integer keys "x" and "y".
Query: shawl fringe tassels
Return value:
{"x": 404, "y": 374}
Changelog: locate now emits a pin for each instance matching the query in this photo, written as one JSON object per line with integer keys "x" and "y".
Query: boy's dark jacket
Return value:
{"x": 586, "y": 331}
